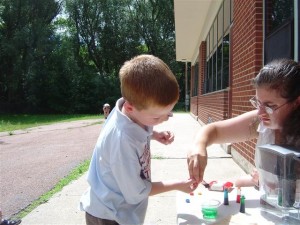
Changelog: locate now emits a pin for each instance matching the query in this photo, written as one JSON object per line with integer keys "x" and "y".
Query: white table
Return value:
{"x": 190, "y": 213}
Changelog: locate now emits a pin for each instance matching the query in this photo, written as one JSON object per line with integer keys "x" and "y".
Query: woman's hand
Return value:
{"x": 196, "y": 163}
{"x": 255, "y": 177}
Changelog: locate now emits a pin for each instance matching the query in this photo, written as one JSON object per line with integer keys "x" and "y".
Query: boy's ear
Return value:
{"x": 128, "y": 107}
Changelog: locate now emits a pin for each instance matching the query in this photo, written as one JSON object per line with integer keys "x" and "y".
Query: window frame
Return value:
{"x": 217, "y": 50}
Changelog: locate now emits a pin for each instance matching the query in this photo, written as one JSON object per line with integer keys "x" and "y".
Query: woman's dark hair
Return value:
{"x": 291, "y": 129}
{"x": 283, "y": 75}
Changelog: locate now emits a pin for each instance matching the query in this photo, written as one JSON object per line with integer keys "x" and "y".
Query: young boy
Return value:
{"x": 119, "y": 173}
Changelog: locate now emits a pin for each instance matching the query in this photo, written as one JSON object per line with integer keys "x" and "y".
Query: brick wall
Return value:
{"x": 247, "y": 56}
{"x": 246, "y": 46}
{"x": 193, "y": 105}
{"x": 213, "y": 107}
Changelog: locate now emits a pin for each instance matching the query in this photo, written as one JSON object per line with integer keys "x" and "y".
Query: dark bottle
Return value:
{"x": 226, "y": 202}
{"x": 242, "y": 205}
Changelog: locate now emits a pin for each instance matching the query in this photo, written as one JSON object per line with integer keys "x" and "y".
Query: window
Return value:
{"x": 279, "y": 29}
{"x": 217, "y": 54}
{"x": 277, "y": 12}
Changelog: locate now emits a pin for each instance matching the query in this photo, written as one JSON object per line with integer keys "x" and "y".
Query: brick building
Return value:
{"x": 226, "y": 42}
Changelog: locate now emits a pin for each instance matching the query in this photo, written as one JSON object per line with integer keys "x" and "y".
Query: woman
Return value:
{"x": 276, "y": 120}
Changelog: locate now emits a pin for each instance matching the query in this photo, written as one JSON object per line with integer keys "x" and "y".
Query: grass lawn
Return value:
{"x": 23, "y": 121}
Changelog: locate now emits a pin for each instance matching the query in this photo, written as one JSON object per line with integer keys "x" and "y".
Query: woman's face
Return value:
{"x": 272, "y": 99}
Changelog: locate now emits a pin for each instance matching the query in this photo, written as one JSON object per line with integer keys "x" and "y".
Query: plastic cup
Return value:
{"x": 210, "y": 209}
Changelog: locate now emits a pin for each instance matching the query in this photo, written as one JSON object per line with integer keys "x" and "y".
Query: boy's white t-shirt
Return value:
{"x": 119, "y": 173}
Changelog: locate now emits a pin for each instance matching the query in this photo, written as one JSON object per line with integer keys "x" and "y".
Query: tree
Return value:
{"x": 154, "y": 22}
{"x": 65, "y": 56}
{"x": 103, "y": 29}
{"x": 26, "y": 41}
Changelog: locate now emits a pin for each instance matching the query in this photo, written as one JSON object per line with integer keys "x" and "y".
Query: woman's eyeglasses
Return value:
{"x": 267, "y": 109}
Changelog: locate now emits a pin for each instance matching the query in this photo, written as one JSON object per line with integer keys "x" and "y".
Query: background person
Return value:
{"x": 120, "y": 173}
{"x": 106, "y": 110}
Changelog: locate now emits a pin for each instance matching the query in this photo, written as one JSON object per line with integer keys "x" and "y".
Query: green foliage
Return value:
{"x": 64, "y": 56}
{"x": 26, "y": 43}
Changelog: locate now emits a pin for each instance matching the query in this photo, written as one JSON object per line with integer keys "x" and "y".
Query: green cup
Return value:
{"x": 210, "y": 209}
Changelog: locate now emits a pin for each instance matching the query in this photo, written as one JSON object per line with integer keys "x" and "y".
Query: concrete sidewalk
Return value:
{"x": 168, "y": 162}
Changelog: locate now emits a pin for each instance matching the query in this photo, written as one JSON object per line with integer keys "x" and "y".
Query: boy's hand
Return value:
{"x": 164, "y": 137}
{"x": 187, "y": 186}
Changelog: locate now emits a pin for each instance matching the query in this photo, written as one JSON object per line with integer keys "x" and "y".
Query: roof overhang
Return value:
{"x": 193, "y": 19}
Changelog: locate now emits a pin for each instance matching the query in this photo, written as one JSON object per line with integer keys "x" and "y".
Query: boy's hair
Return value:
{"x": 147, "y": 81}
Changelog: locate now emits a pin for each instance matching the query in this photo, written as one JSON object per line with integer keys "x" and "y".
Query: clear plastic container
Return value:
{"x": 279, "y": 180}
{"x": 210, "y": 208}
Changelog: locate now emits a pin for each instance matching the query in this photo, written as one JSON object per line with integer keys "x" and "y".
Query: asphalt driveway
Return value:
{"x": 32, "y": 161}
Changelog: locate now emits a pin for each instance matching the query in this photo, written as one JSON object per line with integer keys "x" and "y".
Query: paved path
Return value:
{"x": 168, "y": 162}
{"x": 32, "y": 161}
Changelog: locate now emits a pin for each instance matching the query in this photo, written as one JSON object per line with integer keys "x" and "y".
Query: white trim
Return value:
{"x": 296, "y": 30}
